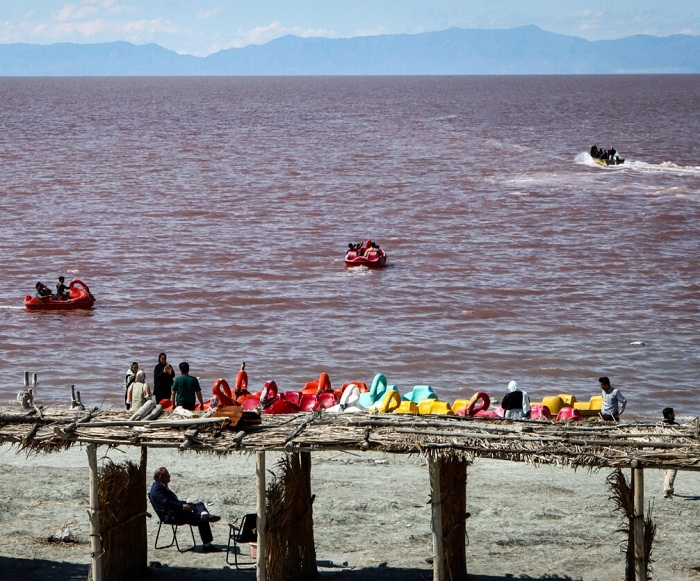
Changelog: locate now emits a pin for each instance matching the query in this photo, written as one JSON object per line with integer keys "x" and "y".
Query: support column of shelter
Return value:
{"x": 453, "y": 505}
{"x": 94, "y": 515}
{"x": 640, "y": 565}
{"x": 436, "y": 519}
{"x": 261, "y": 517}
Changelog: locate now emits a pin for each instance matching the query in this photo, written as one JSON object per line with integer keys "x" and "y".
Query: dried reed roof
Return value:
{"x": 591, "y": 444}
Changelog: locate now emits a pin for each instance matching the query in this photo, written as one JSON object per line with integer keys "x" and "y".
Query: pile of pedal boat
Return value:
{"x": 379, "y": 397}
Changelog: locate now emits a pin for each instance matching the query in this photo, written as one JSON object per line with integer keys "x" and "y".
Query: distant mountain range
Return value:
{"x": 526, "y": 50}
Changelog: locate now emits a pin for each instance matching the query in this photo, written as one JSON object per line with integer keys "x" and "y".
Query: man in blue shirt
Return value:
{"x": 172, "y": 510}
{"x": 614, "y": 403}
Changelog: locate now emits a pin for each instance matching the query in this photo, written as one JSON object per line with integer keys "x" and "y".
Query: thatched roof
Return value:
{"x": 592, "y": 444}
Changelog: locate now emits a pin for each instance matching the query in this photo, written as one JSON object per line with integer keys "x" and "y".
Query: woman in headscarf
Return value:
{"x": 128, "y": 380}
{"x": 163, "y": 377}
{"x": 516, "y": 403}
{"x": 139, "y": 392}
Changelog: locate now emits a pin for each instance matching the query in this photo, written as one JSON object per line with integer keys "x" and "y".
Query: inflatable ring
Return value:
{"x": 222, "y": 392}
{"x": 473, "y": 408}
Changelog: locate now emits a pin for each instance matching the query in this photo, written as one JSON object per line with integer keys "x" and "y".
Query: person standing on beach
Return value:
{"x": 139, "y": 392}
{"x": 172, "y": 510}
{"x": 614, "y": 403}
{"x": 163, "y": 377}
{"x": 186, "y": 388}
{"x": 516, "y": 403}
{"x": 670, "y": 477}
{"x": 128, "y": 380}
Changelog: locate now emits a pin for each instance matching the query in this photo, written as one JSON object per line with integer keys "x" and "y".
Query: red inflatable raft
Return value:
{"x": 365, "y": 254}
{"x": 78, "y": 298}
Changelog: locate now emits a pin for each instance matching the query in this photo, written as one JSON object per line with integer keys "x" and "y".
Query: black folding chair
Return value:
{"x": 174, "y": 526}
{"x": 245, "y": 532}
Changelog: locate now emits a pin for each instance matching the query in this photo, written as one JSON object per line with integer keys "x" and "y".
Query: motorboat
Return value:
{"x": 606, "y": 156}
{"x": 366, "y": 254}
{"x": 79, "y": 297}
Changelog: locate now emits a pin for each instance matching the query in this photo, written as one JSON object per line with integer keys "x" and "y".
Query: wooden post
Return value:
{"x": 26, "y": 379}
{"x": 143, "y": 532}
{"x": 640, "y": 565}
{"x": 260, "y": 508}
{"x": 94, "y": 514}
{"x": 436, "y": 520}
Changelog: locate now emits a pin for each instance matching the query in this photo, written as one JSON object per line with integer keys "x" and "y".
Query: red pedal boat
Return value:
{"x": 365, "y": 254}
{"x": 78, "y": 298}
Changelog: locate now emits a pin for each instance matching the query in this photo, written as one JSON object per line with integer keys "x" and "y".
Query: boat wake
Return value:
{"x": 665, "y": 167}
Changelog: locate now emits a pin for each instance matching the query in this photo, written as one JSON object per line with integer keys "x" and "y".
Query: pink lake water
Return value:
{"x": 210, "y": 216}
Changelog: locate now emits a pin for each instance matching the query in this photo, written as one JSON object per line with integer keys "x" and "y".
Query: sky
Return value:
{"x": 202, "y": 27}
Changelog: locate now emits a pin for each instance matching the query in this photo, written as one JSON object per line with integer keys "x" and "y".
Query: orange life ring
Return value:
{"x": 222, "y": 392}
{"x": 472, "y": 408}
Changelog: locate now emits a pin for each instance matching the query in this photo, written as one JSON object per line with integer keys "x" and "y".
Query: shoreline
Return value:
{"x": 371, "y": 512}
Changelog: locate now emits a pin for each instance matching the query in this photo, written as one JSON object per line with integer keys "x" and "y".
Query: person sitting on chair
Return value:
{"x": 173, "y": 511}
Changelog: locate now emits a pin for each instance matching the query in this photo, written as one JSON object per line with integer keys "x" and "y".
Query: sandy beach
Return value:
{"x": 371, "y": 517}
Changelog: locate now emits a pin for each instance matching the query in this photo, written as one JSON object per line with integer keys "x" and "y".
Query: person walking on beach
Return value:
{"x": 186, "y": 388}
{"x": 172, "y": 510}
{"x": 670, "y": 477}
{"x": 614, "y": 403}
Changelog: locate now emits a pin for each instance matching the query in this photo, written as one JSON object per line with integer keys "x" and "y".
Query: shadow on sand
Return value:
{"x": 35, "y": 569}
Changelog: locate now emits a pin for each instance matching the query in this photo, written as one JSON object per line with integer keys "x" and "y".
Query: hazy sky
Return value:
{"x": 202, "y": 27}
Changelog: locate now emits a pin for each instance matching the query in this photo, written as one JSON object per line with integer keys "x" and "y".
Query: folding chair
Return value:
{"x": 246, "y": 532}
{"x": 174, "y": 526}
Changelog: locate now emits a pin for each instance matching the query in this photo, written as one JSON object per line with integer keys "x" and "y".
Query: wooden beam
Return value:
{"x": 94, "y": 514}
{"x": 260, "y": 509}
{"x": 436, "y": 519}
{"x": 640, "y": 564}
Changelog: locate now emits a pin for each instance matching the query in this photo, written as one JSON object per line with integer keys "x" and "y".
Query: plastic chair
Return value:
{"x": 245, "y": 532}
{"x": 174, "y": 526}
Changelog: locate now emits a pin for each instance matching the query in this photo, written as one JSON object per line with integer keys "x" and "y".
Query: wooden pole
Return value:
{"x": 260, "y": 475}
{"x": 436, "y": 520}
{"x": 640, "y": 566}
{"x": 94, "y": 514}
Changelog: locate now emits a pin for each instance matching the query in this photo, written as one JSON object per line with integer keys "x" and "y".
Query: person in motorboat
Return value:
{"x": 516, "y": 403}
{"x": 62, "y": 291}
{"x": 595, "y": 152}
{"x": 42, "y": 291}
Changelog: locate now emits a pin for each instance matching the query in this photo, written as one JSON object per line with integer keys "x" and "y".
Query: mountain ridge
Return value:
{"x": 525, "y": 50}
